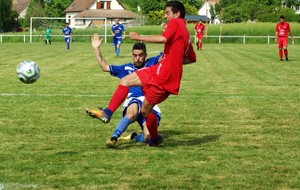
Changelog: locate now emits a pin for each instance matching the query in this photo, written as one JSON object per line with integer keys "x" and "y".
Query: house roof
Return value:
{"x": 81, "y": 5}
{"x": 105, "y": 13}
{"x": 20, "y": 5}
{"x": 196, "y": 17}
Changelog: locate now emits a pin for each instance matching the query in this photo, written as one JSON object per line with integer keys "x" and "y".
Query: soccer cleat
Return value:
{"x": 281, "y": 59}
{"x": 287, "y": 59}
{"x": 112, "y": 142}
{"x": 129, "y": 137}
{"x": 99, "y": 114}
{"x": 156, "y": 142}
{"x": 198, "y": 48}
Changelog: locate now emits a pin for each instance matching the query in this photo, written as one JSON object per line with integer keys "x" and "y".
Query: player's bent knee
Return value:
{"x": 147, "y": 138}
{"x": 131, "y": 116}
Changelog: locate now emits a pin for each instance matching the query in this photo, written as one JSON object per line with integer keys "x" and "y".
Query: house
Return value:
{"x": 193, "y": 19}
{"x": 20, "y": 6}
{"x": 205, "y": 10}
{"x": 83, "y": 13}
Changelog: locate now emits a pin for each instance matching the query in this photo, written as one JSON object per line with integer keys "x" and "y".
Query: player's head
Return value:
{"x": 281, "y": 19}
{"x": 67, "y": 24}
{"x": 174, "y": 9}
{"x": 139, "y": 54}
{"x": 117, "y": 20}
{"x": 200, "y": 21}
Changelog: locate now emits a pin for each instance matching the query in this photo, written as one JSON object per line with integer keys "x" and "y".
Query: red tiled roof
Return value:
{"x": 79, "y": 5}
{"x": 20, "y": 5}
{"x": 105, "y": 13}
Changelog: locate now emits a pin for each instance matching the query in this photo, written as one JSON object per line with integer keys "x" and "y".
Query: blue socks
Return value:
{"x": 121, "y": 127}
{"x": 140, "y": 138}
{"x": 118, "y": 52}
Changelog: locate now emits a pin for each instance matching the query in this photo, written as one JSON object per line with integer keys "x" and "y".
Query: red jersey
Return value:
{"x": 283, "y": 29}
{"x": 199, "y": 29}
{"x": 178, "y": 47}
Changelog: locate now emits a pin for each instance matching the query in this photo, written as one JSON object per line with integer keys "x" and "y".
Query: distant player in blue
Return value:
{"x": 118, "y": 33}
{"x": 133, "y": 103}
{"x": 67, "y": 31}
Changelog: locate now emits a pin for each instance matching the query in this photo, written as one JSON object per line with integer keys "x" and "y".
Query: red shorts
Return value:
{"x": 282, "y": 42}
{"x": 200, "y": 36}
{"x": 154, "y": 92}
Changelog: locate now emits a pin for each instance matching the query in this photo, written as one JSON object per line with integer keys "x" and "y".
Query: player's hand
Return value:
{"x": 134, "y": 36}
{"x": 123, "y": 37}
{"x": 276, "y": 40}
{"x": 96, "y": 41}
{"x": 293, "y": 40}
{"x": 113, "y": 34}
{"x": 164, "y": 26}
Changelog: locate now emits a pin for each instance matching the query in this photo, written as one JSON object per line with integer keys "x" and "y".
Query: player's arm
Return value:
{"x": 112, "y": 31}
{"x": 290, "y": 31}
{"x": 153, "y": 39}
{"x": 96, "y": 43}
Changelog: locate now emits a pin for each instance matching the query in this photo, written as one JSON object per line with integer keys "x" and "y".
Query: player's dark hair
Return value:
{"x": 139, "y": 46}
{"x": 177, "y": 6}
{"x": 281, "y": 17}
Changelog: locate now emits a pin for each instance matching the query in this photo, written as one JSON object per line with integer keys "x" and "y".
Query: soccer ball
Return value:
{"x": 28, "y": 71}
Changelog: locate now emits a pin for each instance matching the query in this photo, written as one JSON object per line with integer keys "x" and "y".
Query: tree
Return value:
{"x": 190, "y": 10}
{"x": 56, "y": 8}
{"x": 150, "y": 5}
{"x": 5, "y": 14}
{"x": 35, "y": 9}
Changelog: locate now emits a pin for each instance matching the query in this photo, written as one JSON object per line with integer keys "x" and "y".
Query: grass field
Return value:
{"x": 235, "y": 124}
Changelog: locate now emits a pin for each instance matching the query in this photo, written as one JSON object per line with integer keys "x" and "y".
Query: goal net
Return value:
{"x": 83, "y": 28}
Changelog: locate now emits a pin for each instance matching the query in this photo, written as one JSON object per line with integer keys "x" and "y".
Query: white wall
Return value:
{"x": 114, "y": 5}
{"x": 205, "y": 10}
{"x": 72, "y": 24}
{"x": 23, "y": 13}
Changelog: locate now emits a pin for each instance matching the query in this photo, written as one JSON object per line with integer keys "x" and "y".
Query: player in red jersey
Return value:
{"x": 282, "y": 37}
{"x": 163, "y": 79}
{"x": 199, "y": 31}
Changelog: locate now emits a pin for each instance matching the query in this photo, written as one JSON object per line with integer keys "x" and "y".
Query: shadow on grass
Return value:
{"x": 187, "y": 141}
{"x": 170, "y": 140}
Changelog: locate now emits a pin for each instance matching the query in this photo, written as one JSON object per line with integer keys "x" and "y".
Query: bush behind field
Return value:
{"x": 234, "y": 29}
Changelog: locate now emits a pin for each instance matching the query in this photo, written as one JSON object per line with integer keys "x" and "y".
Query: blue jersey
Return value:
{"x": 123, "y": 70}
{"x": 117, "y": 30}
{"x": 67, "y": 32}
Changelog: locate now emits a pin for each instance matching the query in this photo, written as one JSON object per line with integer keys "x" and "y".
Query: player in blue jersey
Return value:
{"x": 118, "y": 33}
{"x": 132, "y": 105}
{"x": 67, "y": 31}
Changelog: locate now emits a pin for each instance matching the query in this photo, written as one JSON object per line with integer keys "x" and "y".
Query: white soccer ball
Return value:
{"x": 28, "y": 72}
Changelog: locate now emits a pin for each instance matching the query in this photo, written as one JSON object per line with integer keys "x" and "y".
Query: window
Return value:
{"x": 100, "y": 5}
{"x": 108, "y": 5}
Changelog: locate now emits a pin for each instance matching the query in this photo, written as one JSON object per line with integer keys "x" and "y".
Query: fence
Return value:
{"x": 25, "y": 38}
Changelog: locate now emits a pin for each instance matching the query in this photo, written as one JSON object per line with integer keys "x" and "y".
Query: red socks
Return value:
{"x": 280, "y": 54}
{"x": 201, "y": 45}
{"x": 286, "y": 53}
{"x": 152, "y": 124}
{"x": 118, "y": 97}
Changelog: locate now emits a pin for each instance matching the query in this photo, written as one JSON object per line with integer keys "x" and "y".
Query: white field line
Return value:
{"x": 4, "y": 186}
{"x": 109, "y": 95}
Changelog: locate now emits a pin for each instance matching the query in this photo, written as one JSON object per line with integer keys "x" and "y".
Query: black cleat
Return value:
{"x": 281, "y": 59}
{"x": 112, "y": 142}
{"x": 132, "y": 135}
{"x": 287, "y": 59}
{"x": 156, "y": 142}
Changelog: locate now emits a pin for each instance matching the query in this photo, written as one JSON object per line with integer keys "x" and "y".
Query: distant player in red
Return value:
{"x": 162, "y": 79}
{"x": 199, "y": 31}
{"x": 282, "y": 34}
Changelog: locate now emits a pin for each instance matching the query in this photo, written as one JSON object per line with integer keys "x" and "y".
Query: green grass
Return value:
{"x": 234, "y": 125}
{"x": 235, "y": 29}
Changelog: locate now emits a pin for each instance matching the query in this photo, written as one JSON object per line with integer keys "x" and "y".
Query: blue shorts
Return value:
{"x": 117, "y": 41}
{"x": 67, "y": 39}
{"x": 139, "y": 100}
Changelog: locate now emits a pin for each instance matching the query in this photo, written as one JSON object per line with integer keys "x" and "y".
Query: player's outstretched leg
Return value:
{"x": 120, "y": 95}
{"x": 131, "y": 115}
